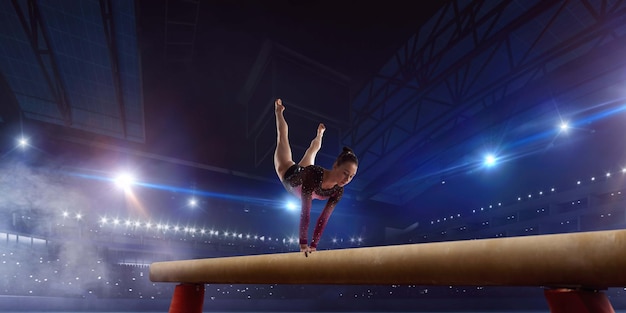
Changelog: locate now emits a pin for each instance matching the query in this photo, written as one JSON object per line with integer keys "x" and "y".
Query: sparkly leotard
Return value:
{"x": 306, "y": 184}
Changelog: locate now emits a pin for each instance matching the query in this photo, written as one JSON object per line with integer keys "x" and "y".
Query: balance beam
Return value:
{"x": 589, "y": 259}
{"x": 585, "y": 260}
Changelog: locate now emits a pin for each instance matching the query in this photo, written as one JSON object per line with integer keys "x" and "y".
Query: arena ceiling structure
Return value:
{"x": 74, "y": 64}
{"x": 480, "y": 68}
{"x": 425, "y": 90}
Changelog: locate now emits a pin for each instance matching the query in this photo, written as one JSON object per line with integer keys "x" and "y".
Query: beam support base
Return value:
{"x": 564, "y": 300}
{"x": 188, "y": 298}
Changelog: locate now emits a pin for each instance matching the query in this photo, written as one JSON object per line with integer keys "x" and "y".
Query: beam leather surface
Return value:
{"x": 586, "y": 259}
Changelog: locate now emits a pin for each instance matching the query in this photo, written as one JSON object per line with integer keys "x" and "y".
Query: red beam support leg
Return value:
{"x": 577, "y": 301}
{"x": 188, "y": 298}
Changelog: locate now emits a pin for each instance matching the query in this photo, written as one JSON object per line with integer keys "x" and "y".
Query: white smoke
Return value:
{"x": 32, "y": 203}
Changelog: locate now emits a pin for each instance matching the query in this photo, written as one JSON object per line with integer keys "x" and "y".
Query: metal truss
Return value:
{"x": 106, "y": 9}
{"x": 469, "y": 57}
{"x": 181, "y": 23}
{"x": 38, "y": 36}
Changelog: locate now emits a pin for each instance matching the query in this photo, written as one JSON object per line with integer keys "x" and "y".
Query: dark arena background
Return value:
{"x": 135, "y": 132}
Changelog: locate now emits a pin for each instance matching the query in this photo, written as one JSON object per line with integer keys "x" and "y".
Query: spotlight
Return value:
{"x": 490, "y": 160}
{"x": 22, "y": 142}
{"x": 564, "y": 126}
{"x": 193, "y": 202}
{"x": 291, "y": 206}
{"x": 124, "y": 180}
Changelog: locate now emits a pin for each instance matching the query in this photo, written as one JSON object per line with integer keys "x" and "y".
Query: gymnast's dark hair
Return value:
{"x": 347, "y": 155}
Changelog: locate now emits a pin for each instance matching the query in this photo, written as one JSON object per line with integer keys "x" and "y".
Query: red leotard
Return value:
{"x": 306, "y": 184}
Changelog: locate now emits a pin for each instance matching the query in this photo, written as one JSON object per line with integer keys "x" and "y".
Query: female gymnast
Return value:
{"x": 308, "y": 181}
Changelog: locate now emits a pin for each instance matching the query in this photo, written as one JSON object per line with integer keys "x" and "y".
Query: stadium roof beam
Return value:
{"x": 467, "y": 58}
{"x": 37, "y": 34}
{"x": 181, "y": 25}
{"x": 106, "y": 8}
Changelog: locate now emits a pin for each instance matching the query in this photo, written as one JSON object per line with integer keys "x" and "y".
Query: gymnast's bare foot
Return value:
{"x": 320, "y": 130}
{"x": 278, "y": 106}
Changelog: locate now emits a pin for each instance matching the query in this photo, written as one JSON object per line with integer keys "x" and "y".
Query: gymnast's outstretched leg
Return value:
{"x": 282, "y": 155}
{"x": 283, "y": 159}
{"x": 316, "y": 145}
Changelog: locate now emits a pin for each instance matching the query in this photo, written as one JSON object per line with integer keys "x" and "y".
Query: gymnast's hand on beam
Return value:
{"x": 306, "y": 249}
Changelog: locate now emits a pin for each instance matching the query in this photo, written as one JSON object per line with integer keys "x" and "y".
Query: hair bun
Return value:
{"x": 347, "y": 155}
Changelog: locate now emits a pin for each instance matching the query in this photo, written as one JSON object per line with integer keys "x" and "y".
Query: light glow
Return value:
{"x": 490, "y": 160}
{"x": 22, "y": 142}
{"x": 193, "y": 202}
{"x": 291, "y": 206}
{"x": 124, "y": 180}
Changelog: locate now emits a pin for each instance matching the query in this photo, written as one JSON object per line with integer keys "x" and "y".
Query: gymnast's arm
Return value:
{"x": 305, "y": 217}
{"x": 323, "y": 219}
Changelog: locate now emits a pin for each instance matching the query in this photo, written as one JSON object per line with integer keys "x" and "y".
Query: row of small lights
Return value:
{"x": 540, "y": 193}
{"x": 201, "y": 231}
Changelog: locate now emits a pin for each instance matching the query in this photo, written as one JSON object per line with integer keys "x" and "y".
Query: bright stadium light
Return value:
{"x": 292, "y": 206}
{"x": 22, "y": 142}
{"x": 124, "y": 180}
{"x": 490, "y": 160}
{"x": 564, "y": 126}
{"x": 193, "y": 202}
